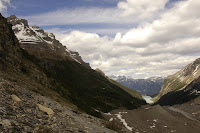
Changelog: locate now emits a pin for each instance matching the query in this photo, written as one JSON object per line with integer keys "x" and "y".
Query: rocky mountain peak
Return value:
{"x": 14, "y": 20}
{"x": 40, "y": 43}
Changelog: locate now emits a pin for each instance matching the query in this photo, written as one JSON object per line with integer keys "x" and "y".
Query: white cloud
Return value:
{"x": 159, "y": 48}
{"x": 78, "y": 16}
{"x": 141, "y": 8}
{"x": 127, "y": 12}
{"x": 3, "y": 5}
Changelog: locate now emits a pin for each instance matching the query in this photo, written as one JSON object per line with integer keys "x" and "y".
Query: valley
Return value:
{"x": 47, "y": 88}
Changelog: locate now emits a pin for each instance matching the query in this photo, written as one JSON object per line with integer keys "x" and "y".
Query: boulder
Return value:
{"x": 16, "y": 98}
{"x": 6, "y": 123}
{"x": 49, "y": 111}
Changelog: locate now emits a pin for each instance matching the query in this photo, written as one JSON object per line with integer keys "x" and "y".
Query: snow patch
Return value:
{"x": 195, "y": 71}
{"x": 21, "y": 34}
{"x": 172, "y": 131}
{"x": 107, "y": 113}
{"x": 73, "y": 57}
{"x": 111, "y": 119}
{"x": 153, "y": 126}
{"x": 155, "y": 120}
{"x": 197, "y": 91}
{"x": 76, "y": 60}
{"x": 97, "y": 110}
{"x": 41, "y": 35}
{"x": 119, "y": 116}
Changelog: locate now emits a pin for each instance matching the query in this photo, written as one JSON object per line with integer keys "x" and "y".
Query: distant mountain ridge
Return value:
{"x": 149, "y": 86}
{"x": 130, "y": 91}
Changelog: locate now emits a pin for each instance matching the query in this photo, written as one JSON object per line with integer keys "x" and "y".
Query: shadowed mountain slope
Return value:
{"x": 68, "y": 77}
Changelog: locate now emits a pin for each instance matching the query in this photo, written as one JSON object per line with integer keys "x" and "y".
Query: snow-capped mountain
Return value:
{"x": 40, "y": 43}
{"x": 149, "y": 86}
{"x": 182, "y": 79}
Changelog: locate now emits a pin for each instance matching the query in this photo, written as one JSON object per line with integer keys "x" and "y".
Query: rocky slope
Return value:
{"x": 149, "y": 86}
{"x": 182, "y": 85}
{"x": 23, "y": 111}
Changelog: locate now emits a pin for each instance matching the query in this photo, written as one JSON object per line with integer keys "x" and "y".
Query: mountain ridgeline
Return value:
{"x": 149, "y": 86}
{"x": 181, "y": 87}
{"x": 42, "y": 64}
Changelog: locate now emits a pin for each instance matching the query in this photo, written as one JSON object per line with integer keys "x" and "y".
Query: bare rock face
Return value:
{"x": 41, "y": 44}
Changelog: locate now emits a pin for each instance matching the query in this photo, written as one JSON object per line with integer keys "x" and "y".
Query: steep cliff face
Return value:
{"x": 40, "y": 43}
{"x": 183, "y": 82}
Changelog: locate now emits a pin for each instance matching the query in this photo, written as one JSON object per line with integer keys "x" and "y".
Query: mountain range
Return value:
{"x": 150, "y": 86}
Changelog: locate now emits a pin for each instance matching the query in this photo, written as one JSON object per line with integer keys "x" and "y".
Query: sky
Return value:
{"x": 137, "y": 38}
